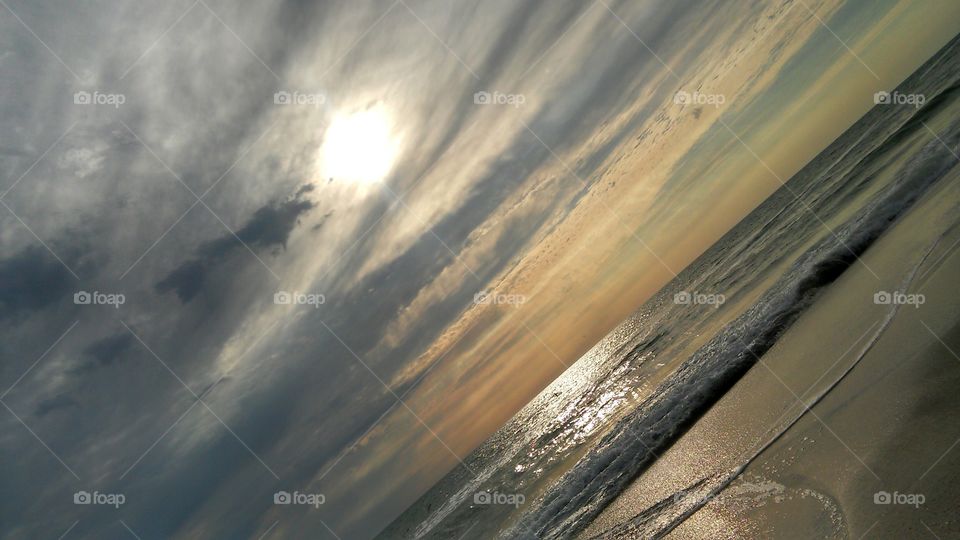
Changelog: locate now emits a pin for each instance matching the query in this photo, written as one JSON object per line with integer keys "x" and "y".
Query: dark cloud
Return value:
{"x": 30, "y": 280}
{"x": 47, "y": 406}
{"x": 106, "y": 351}
{"x": 270, "y": 226}
{"x": 187, "y": 280}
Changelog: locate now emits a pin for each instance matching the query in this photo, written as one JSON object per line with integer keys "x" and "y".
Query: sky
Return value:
{"x": 328, "y": 248}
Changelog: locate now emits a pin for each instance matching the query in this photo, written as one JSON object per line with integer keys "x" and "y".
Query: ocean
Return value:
{"x": 567, "y": 456}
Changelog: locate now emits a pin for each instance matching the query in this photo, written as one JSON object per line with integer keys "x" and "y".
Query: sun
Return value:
{"x": 359, "y": 146}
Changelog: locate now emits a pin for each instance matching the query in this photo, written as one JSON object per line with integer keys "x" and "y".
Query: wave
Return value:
{"x": 637, "y": 439}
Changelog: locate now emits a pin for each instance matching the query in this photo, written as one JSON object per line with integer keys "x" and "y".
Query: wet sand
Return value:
{"x": 887, "y": 427}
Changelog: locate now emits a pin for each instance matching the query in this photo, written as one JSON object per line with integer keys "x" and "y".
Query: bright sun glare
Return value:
{"x": 359, "y": 146}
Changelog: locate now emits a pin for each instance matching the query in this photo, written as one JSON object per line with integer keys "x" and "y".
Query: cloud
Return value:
{"x": 30, "y": 280}
{"x": 47, "y": 406}
{"x": 270, "y": 226}
{"x": 106, "y": 351}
